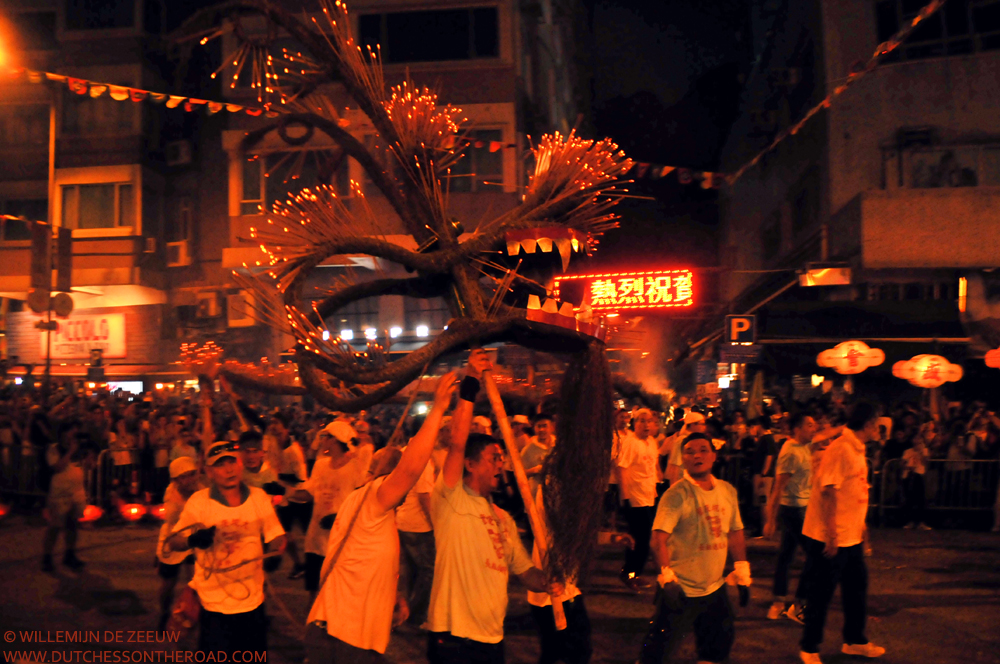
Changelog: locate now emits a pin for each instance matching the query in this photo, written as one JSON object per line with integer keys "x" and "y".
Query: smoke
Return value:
{"x": 643, "y": 355}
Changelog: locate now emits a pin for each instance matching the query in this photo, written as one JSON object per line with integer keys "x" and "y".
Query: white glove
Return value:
{"x": 666, "y": 576}
{"x": 740, "y": 576}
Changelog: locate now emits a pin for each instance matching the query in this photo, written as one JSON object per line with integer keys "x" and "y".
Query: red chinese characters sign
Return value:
{"x": 617, "y": 291}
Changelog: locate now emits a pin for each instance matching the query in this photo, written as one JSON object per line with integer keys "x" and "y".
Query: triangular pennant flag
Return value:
{"x": 666, "y": 170}
{"x": 35, "y": 76}
{"x": 214, "y": 107}
{"x": 271, "y": 114}
{"x": 118, "y": 93}
{"x": 137, "y": 95}
{"x": 158, "y": 97}
{"x": 706, "y": 180}
{"x": 174, "y": 101}
{"x": 97, "y": 90}
{"x": 495, "y": 145}
{"x": 477, "y": 144}
{"x": 641, "y": 169}
{"x": 77, "y": 85}
{"x": 190, "y": 104}
{"x": 684, "y": 176}
{"x": 449, "y": 142}
{"x": 234, "y": 108}
{"x": 254, "y": 111}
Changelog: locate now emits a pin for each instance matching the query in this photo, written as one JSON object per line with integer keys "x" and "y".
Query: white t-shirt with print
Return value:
{"x": 699, "y": 523}
{"x": 292, "y": 461}
{"x": 329, "y": 487}
{"x": 410, "y": 516}
{"x": 237, "y": 538}
{"x": 358, "y": 596}
{"x": 795, "y": 459}
{"x": 173, "y": 506}
{"x": 264, "y": 475}
{"x": 842, "y": 466}
{"x": 638, "y": 459}
{"x": 477, "y": 549}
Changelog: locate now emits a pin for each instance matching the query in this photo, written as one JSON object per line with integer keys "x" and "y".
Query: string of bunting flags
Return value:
{"x": 706, "y": 179}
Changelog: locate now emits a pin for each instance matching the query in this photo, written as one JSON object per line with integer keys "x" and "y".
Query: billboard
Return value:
{"x": 78, "y": 335}
{"x": 624, "y": 291}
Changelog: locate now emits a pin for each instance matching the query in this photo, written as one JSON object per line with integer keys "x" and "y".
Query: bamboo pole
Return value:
{"x": 537, "y": 523}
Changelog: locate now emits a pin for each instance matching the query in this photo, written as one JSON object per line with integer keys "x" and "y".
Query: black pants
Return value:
{"x": 916, "y": 503}
{"x": 640, "y": 527}
{"x": 321, "y": 648}
{"x": 791, "y": 536}
{"x": 232, "y": 632}
{"x": 443, "y": 648}
{"x": 848, "y": 570}
{"x": 571, "y": 645}
{"x": 710, "y": 616}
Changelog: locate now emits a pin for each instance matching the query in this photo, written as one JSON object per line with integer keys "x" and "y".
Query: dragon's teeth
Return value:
{"x": 513, "y": 247}
{"x": 566, "y": 309}
{"x": 550, "y": 306}
{"x": 534, "y": 302}
{"x": 529, "y": 246}
{"x": 565, "y": 252}
{"x": 545, "y": 244}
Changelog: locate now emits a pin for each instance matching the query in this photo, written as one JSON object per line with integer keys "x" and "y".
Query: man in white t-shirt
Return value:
{"x": 639, "y": 470}
{"x": 227, "y": 524}
{"x": 834, "y": 534}
{"x": 477, "y": 544}
{"x": 697, "y": 524}
{"x": 787, "y": 505}
{"x": 257, "y": 470}
{"x": 416, "y": 544}
{"x": 694, "y": 422}
{"x": 290, "y": 464}
{"x": 334, "y": 476}
{"x": 185, "y": 480}
{"x": 534, "y": 453}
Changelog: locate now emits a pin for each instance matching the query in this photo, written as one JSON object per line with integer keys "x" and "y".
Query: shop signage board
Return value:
{"x": 628, "y": 291}
{"x": 79, "y": 334}
{"x": 706, "y": 371}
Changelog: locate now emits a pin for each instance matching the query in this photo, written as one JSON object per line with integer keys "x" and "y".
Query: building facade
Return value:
{"x": 161, "y": 201}
{"x": 892, "y": 189}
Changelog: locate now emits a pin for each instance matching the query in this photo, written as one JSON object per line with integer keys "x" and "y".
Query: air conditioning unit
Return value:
{"x": 239, "y": 309}
{"x": 178, "y": 254}
{"x": 208, "y": 305}
{"x": 177, "y": 153}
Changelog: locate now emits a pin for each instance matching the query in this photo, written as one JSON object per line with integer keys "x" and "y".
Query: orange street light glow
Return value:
{"x": 623, "y": 291}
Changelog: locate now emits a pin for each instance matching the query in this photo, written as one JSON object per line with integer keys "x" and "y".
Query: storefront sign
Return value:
{"x": 740, "y": 353}
{"x": 78, "y": 335}
{"x": 624, "y": 291}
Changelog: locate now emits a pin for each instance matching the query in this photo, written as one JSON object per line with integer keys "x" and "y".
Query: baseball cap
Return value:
{"x": 483, "y": 421}
{"x": 342, "y": 432}
{"x": 693, "y": 418}
{"x": 181, "y": 465}
{"x": 219, "y": 450}
{"x": 521, "y": 419}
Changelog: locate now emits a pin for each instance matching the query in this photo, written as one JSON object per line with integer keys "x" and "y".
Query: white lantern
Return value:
{"x": 850, "y": 357}
{"x": 927, "y": 371}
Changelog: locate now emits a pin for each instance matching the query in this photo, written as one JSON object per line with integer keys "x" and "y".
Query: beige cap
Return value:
{"x": 181, "y": 465}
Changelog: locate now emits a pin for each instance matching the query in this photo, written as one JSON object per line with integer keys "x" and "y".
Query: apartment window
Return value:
{"x": 481, "y": 169}
{"x": 961, "y": 26}
{"x": 108, "y": 205}
{"x": 30, "y": 210}
{"x": 84, "y": 116}
{"x": 24, "y": 124}
{"x": 277, "y": 176}
{"x": 433, "y": 313}
{"x": 356, "y": 316}
{"x": 181, "y": 219}
{"x": 429, "y": 36}
{"x": 99, "y": 14}
{"x": 36, "y": 31}
{"x": 770, "y": 237}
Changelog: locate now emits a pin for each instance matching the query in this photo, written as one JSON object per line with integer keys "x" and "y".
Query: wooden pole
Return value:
{"x": 537, "y": 523}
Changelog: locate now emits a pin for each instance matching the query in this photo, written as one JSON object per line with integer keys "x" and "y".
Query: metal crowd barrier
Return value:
{"x": 962, "y": 485}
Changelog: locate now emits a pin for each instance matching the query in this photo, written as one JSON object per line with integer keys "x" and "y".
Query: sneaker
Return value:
{"x": 796, "y": 614}
{"x": 298, "y": 571}
{"x": 810, "y": 657}
{"x": 924, "y": 526}
{"x": 47, "y": 565}
{"x": 863, "y": 650}
{"x": 71, "y": 561}
{"x": 775, "y": 611}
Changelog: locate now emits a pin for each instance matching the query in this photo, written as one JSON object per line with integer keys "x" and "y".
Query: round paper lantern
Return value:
{"x": 927, "y": 371}
{"x": 91, "y": 513}
{"x": 993, "y": 358}
{"x": 850, "y": 357}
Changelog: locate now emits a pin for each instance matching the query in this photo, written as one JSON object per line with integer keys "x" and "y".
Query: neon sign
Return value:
{"x": 615, "y": 291}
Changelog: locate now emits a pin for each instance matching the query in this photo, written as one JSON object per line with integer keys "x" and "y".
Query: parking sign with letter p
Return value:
{"x": 741, "y": 329}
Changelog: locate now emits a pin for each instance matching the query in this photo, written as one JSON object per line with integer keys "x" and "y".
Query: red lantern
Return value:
{"x": 993, "y": 358}
{"x": 850, "y": 357}
{"x": 927, "y": 371}
{"x": 91, "y": 513}
{"x": 133, "y": 511}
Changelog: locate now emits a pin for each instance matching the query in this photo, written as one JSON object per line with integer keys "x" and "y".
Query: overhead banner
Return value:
{"x": 78, "y": 335}
{"x": 624, "y": 291}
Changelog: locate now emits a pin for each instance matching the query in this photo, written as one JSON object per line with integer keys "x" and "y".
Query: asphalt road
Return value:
{"x": 934, "y": 597}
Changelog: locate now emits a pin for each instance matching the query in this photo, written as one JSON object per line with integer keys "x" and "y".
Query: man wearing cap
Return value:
{"x": 257, "y": 471}
{"x": 640, "y": 471}
{"x": 334, "y": 476}
{"x": 184, "y": 481}
{"x": 697, "y": 523}
{"x": 694, "y": 422}
{"x": 534, "y": 453}
{"x": 226, "y": 524}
